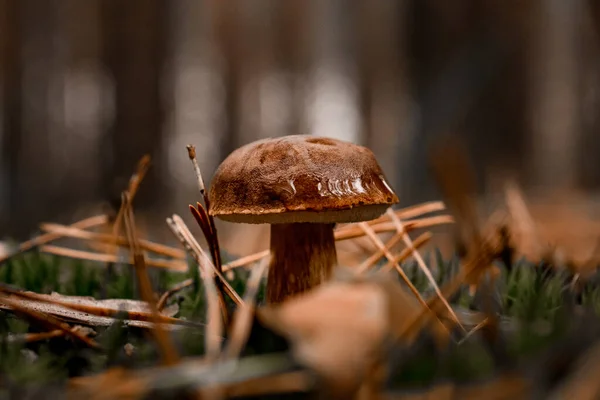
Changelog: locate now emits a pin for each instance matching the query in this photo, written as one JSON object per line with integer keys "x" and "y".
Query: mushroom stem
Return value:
{"x": 302, "y": 257}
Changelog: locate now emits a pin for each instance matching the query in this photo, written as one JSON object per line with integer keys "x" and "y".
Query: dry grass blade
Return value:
{"x": 214, "y": 320}
{"x": 167, "y": 348}
{"x": 174, "y": 265}
{"x": 67, "y": 231}
{"x": 49, "y": 237}
{"x": 47, "y": 320}
{"x": 242, "y": 319}
{"x": 424, "y": 268}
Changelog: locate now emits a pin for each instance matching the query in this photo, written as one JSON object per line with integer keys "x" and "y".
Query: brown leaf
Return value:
{"x": 339, "y": 329}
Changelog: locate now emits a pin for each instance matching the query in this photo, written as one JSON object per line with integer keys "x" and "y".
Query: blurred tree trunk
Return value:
{"x": 226, "y": 24}
{"x": 386, "y": 124}
{"x": 589, "y": 85}
{"x": 556, "y": 101}
{"x": 134, "y": 50}
{"x": 293, "y": 55}
{"x": 468, "y": 67}
{"x": 256, "y": 51}
{"x": 34, "y": 193}
{"x": 85, "y": 86}
{"x": 10, "y": 114}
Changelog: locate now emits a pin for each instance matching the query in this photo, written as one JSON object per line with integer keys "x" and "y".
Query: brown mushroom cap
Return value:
{"x": 299, "y": 178}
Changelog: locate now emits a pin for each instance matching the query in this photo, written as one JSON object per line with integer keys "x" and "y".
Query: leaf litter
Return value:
{"x": 340, "y": 337}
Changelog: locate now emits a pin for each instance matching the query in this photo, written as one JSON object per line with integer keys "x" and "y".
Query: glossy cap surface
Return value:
{"x": 300, "y": 178}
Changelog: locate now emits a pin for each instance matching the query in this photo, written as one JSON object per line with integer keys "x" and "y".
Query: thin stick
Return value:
{"x": 163, "y": 340}
{"x": 178, "y": 266}
{"x": 49, "y": 237}
{"x": 400, "y": 229}
{"x": 192, "y": 155}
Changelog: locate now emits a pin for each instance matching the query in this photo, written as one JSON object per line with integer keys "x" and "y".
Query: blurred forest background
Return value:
{"x": 89, "y": 86}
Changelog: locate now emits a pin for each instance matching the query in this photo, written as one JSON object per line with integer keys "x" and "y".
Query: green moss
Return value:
{"x": 536, "y": 300}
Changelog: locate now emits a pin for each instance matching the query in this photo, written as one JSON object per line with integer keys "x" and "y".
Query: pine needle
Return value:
{"x": 49, "y": 237}
{"x": 400, "y": 229}
{"x": 377, "y": 242}
{"x": 161, "y": 337}
{"x": 173, "y": 265}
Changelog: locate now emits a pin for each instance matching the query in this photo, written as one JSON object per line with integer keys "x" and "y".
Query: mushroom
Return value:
{"x": 301, "y": 185}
